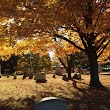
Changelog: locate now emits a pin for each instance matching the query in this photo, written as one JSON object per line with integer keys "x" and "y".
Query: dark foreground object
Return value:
{"x": 51, "y": 103}
{"x": 41, "y": 81}
{"x": 77, "y": 76}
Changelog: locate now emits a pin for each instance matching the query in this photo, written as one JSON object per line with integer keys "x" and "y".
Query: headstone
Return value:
{"x": 81, "y": 70}
{"x": 88, "y": 72}
{"x": 0, "y": 72}
{"x": 63, "y": 69}
{"x": 15, "y": 75}
{"x": 7, "y": 72}
{"x": 58, "y": 70}
{"x": 51, "y": 103}
{"x": 77, "y": 75}
{"x": 41, "y": 77}
{"x": 99, "y": 68}
{"x": 65, "y": 78}
{"x": 84, "y": 71}
{"x": 54, "y": 75}
{"x": 30, "y": 72}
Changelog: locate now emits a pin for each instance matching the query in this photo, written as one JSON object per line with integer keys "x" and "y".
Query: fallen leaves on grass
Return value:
{"x": 23, "y": 94}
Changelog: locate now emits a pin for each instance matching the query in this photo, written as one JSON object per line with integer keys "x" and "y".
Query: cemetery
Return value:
{"x": 42, "y": 89}
{"x": 25, "y": 94}
{"x": 54, "y": 54}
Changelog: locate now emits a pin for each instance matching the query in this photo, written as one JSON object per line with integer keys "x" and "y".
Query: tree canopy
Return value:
{"x": 90, "y": 19}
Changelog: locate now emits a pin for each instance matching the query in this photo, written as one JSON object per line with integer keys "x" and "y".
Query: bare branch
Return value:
{"x": 70, "y": 28}
{"x": 103, "y": 48}
{"x": 101, "y": 11}
{"x": 101, "y": 41}
{"x": 62, "y": 63}
{"x": 66, "y": 39}
{"x": 83, "y": 41}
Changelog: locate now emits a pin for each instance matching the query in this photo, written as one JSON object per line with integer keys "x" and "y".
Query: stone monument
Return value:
{"x": 51, "y": 103}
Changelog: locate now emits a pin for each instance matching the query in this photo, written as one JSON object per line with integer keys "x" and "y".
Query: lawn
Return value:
{"x": 21, "y": 94}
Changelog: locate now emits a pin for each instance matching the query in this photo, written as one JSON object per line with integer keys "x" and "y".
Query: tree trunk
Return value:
{"x": 69, "y": 62}
{"x": 94, "y": 76}
{"x": 69, "y": 65}
{"x": 73, "y": 69}
{"x": 69, "y": 73}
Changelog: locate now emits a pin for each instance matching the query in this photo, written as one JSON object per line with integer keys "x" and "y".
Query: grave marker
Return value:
{"x": 51, "y": 103}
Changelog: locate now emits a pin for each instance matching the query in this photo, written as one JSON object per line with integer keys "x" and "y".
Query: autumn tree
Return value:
{"x": 72, "y": 61}
{"x": 36, "y": 54}
{"x": 34, "y": 61}
{"x": 93, "y": 29}
{"x": 105, "y": 56}
{"x": 70, "y": 57}
{"x": 64, "y": 51}
{"x": 88, "y": 18}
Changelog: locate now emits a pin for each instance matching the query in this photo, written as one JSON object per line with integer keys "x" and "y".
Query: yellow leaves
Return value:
{"x": 5, "y": 58}
{"x": 41, "y": 44}
{"x": 101, "y": 41}
{"x": 2, "y": 41}
{"x": 50, "y": 2}
{"x": 5, "y": 49}
{"x": 105, "y": 54}
{"x": 6, "y": 52}
{"x": 38, "y": 45}
{"x": 20, "y": 7}
{"x": 22, "y": 47}
{"x": 66, "y": 49}
{"x": 22, "y": 64}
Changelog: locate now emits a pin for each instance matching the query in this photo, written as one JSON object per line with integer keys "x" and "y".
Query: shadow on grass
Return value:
{"x": 83, "y": 99}
{"x": 19, "y": 104}
{"x": 22, "y": 103}
{"x": 90, "y": 99}
{"x": 105, "y": 74}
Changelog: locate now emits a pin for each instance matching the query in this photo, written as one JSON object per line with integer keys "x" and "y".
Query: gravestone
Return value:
{"x": 7, "y": 72}
{"x": 81, "y": 70}
{"x": 99, "y": 68}
{"x": 0, "y": 72}
{"x": 15, "y": 75}
{"x": 30, "y": 72}
{"x": 65, "y": 78}
{"x": 41, "y": 77}
{"x": 85, "y": 71}
{"x": 77, "y": 76}
{"x": 51, "y": 103}
{"x": 54, "y": 75}
{"x": 58, "y": 70}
